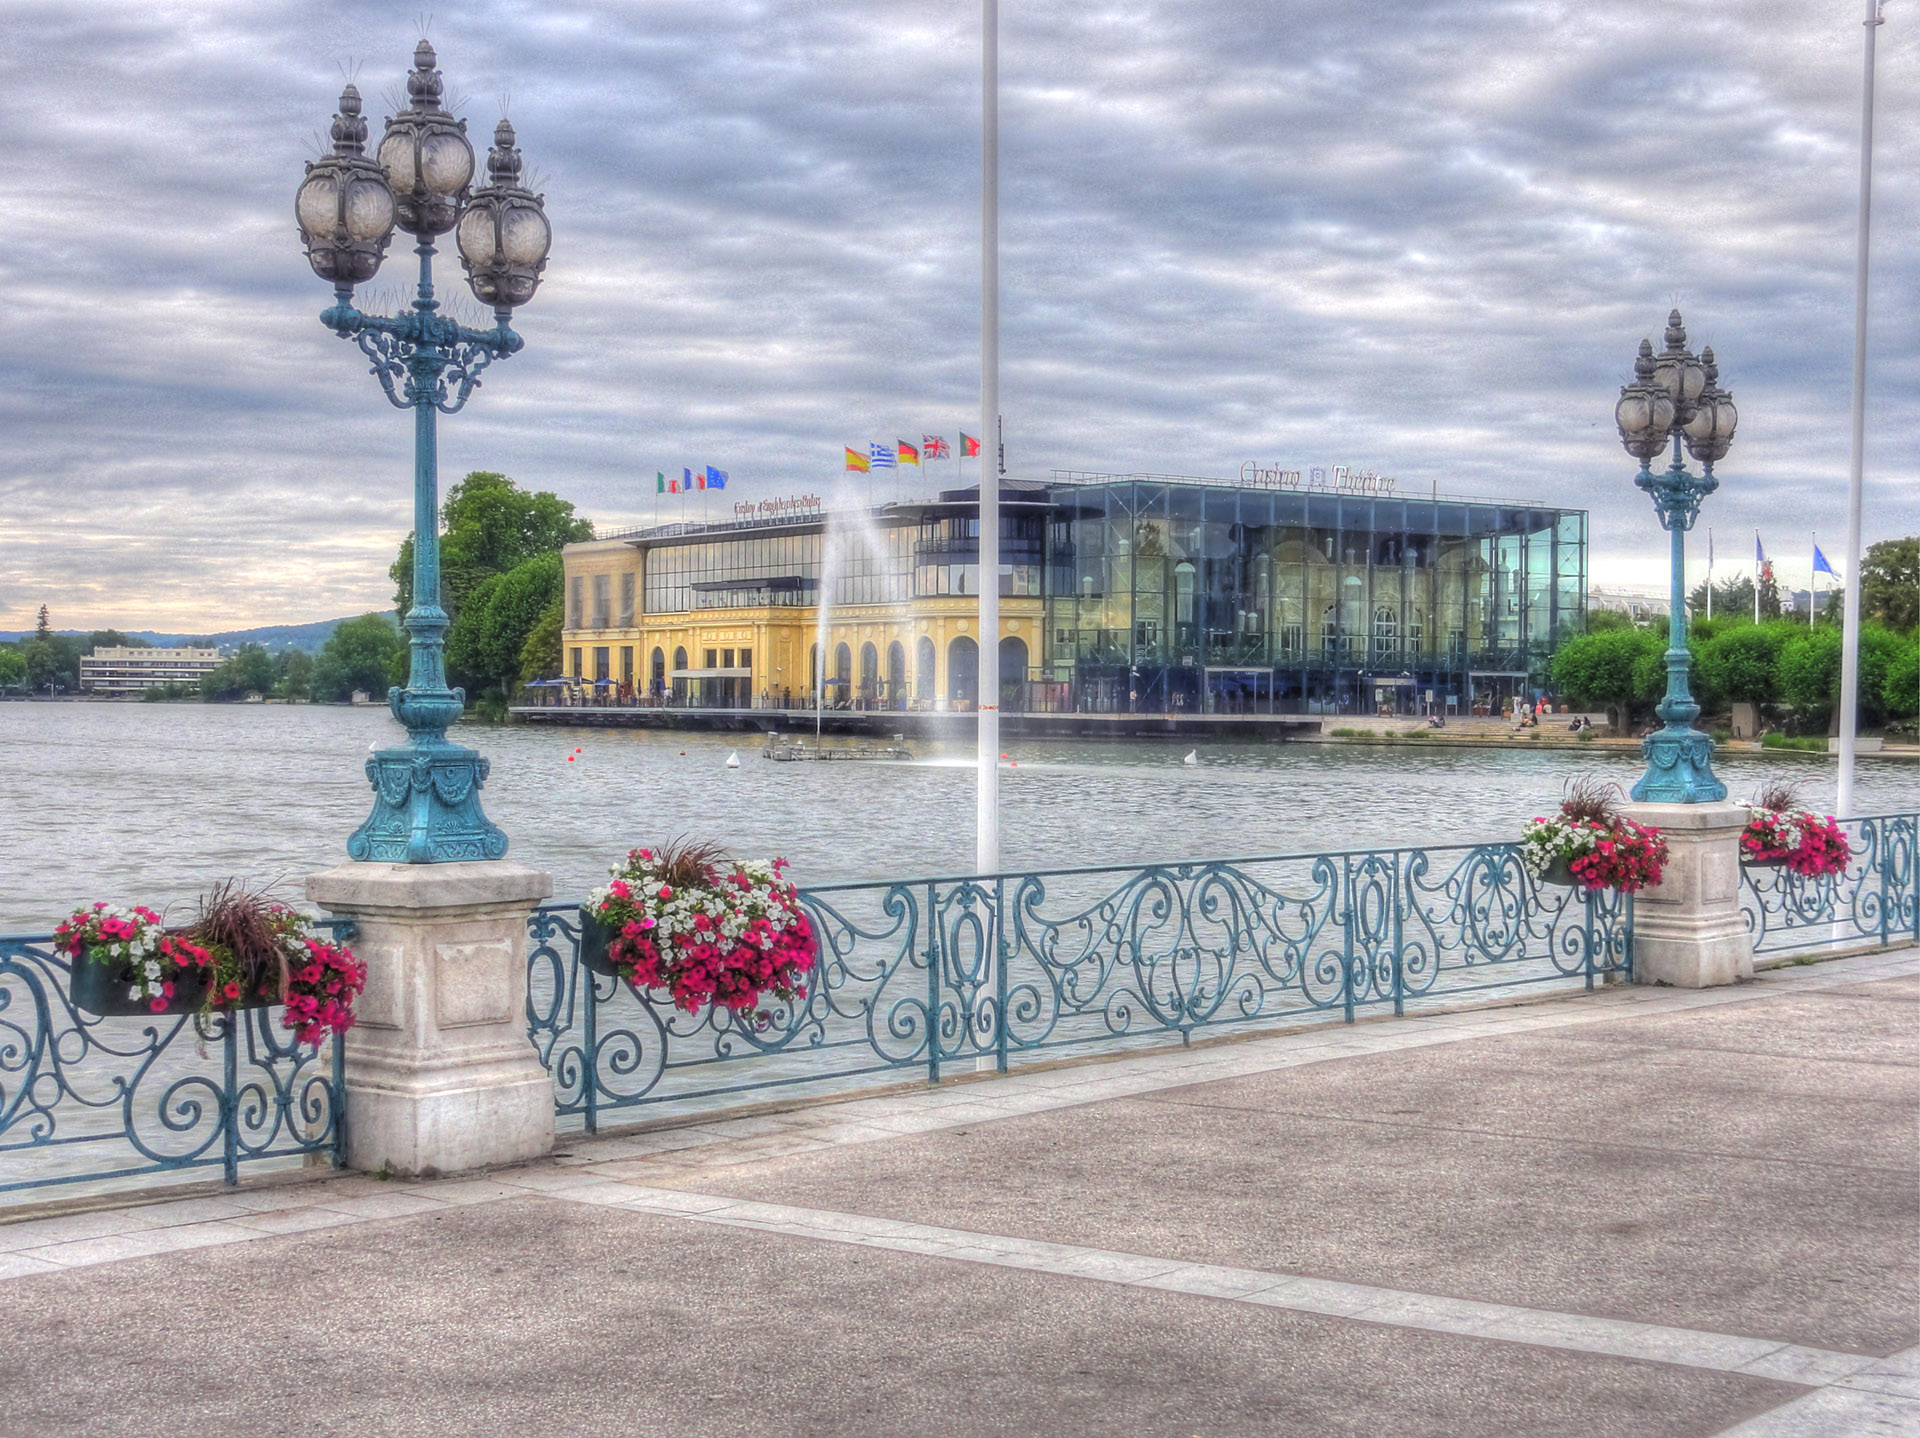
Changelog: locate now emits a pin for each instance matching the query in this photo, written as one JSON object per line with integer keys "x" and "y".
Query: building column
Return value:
{"x": 440, "y": 1074}
{"x": 1688, "y": 930}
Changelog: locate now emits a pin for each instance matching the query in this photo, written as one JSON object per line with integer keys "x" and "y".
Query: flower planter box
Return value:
{"x": 1773, "y": 861}
{"x": 595, "y": 937}
{"x": 106, "y": 990}
{"x": 1559, "y": 873}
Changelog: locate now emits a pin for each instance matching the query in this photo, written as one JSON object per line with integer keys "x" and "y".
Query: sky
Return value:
{"x": 1418, "y": 238}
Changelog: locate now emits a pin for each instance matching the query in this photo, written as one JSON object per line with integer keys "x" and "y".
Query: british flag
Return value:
{"x": 932, "y": 446}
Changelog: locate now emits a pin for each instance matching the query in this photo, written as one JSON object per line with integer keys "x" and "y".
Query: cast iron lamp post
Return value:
{"x": 1675, "y": 395}
{"x": 426, "y": 793}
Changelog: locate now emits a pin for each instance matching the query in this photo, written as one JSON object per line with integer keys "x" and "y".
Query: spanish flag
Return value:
{"x": 908, "y": 454}
{"x": 857, "y": 461}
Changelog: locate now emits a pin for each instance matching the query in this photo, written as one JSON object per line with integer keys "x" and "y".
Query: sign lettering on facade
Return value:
{"x": 1336, "y": 479}
{"x": 774, "y": 508}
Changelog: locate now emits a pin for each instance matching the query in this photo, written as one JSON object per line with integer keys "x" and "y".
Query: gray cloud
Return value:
{"x": 1420, "y": 237}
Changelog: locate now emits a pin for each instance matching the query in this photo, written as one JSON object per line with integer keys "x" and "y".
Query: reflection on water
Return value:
{"x": 150, "y": 802}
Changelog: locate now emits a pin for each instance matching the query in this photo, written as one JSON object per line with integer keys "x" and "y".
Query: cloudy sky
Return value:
{"x": 1422, "y": 238}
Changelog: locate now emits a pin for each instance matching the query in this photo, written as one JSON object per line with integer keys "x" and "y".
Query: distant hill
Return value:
{"x": 274, "y": 637}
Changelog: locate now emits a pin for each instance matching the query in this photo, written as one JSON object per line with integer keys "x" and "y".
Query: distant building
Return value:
{"x": 1642, "y": 606}
{"x": 115, "y": 670}
{"x": 1120, "y": 593}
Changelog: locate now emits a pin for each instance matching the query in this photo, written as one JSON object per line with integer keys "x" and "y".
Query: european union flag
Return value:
{"x": 716, "y": 478}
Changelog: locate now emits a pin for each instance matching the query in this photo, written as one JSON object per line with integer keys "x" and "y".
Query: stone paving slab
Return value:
{"x": 544, "y": 1315}
{"x": 1688, "y": 1183}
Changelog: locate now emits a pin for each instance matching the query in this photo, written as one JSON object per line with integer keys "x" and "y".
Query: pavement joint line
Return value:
{"x": 1881, "y": 1400}
{"x": 1818, "y": 1368}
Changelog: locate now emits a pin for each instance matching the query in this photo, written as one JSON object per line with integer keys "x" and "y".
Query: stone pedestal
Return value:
{"x": 440, "y": 1075}
{"x": 1687, "y": 929}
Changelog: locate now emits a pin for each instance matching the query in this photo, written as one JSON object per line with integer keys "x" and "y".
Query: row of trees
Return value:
{"x": 366, "y": 654}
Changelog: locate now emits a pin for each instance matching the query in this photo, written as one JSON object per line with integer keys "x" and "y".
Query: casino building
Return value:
{"x": 1120, "y": 593}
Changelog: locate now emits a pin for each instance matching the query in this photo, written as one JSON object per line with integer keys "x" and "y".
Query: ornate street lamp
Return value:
{"x": 426, "y": 793}
{"x": 1676, "y": 396}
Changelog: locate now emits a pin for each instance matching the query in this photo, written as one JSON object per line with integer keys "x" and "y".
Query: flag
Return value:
{"x": 673, "y": 486}
{"x": 857, "y": 461}
{"x": 1759, "y": 552}
{"x": 689, "y": 481}
{"x": 659, "y": 483}
{"x": 934, "y": 447}
{"x": 882, "y": 456}
{"x": 969, "y": 446}
{"x": 1820, "y": 565}
{"x": 716, "y": 478}
{"x": 908, "y": 454}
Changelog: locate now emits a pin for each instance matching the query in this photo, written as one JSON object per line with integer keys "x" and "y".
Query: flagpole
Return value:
{"x": 1758, "y": 565}
{"x": 1709, "y": 572}
{"x": 1850, "y": 617}
{"x": 1813, "y": 575}
{"x": 986, "y": 840}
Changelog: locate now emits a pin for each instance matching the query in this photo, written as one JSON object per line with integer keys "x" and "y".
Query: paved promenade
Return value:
{"x": 1635, "y": 1212}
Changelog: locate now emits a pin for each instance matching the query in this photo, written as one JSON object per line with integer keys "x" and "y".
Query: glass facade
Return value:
{"x": 1199, "y": 596}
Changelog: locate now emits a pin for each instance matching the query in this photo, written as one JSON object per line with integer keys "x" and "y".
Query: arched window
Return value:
{"x": 963, "y": 671}
{"x": 896, "y": 675}
{"x": 657, "y": 673}
{"x": 679, "y": 690}
{"x": 924, "y": 663}
{"x": 840, "y": 687}
{"x": 1013, "y": 675}
{"x": 1386, "y": 632}
{"x": 869, "y": 673}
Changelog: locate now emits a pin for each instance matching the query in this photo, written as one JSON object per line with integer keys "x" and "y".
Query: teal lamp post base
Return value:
{"x": 1679, "y": 769}
{"x": 426, "y": 808}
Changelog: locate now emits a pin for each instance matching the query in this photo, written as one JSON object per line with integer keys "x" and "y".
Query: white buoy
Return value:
{"x": 733, "y": 761}
{"x": 1193, "y": 757}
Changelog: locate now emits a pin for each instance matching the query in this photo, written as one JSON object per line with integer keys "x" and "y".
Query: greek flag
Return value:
{"x": 882, "y": 456}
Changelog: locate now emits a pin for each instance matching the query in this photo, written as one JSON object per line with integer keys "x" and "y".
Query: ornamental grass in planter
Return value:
{"x": 1782, "y": 835}
{"x": 242, "y": 950}
{"x": 1589, "y": 844}
{"x": 702, "y": 928}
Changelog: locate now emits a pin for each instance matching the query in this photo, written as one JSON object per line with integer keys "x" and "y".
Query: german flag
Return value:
{"x": 856, "y": 461}
{"x": 908, "y": 454}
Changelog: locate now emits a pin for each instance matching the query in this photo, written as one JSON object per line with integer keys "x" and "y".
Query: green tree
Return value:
{"x": 1901, "y": 691}
{"x": 13, "y": 667}
{"x": 1732, "y": 599}
{"x": 490, "y": 525}
{"x": 359, "y": 654}
{"x": 248, "y": 670}
{"x": 1602, "y": 669}
{"x": 1599, "y": 621}
{"x": 1890, "y": 581}
{"x": 1740, "y": 662}
{"x": 485, "y": 645}
{"x": 114, "y": 639}
{"x": 1810, "y": 675}
{"x": 43, "y": 626}
{"x": 540, "y": 655}
{"x": 1769, "y": 595}
{"x": 292, "y": 674}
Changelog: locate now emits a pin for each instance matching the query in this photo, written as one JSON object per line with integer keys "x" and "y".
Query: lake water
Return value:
{"x": 150, "y": 803}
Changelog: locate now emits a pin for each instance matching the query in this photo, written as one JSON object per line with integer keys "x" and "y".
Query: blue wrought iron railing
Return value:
{"x": 1876, "y": 901}
{"x": 86, "y": 1099}
{"x": 925, "y": 975}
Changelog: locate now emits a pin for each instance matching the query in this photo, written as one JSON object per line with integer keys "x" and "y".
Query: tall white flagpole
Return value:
{"x": 986, "y": 840}
{"x": 1813, "y": 574}
{"x": 1709, "y": 572}
{"x": 1850, "y": 619}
